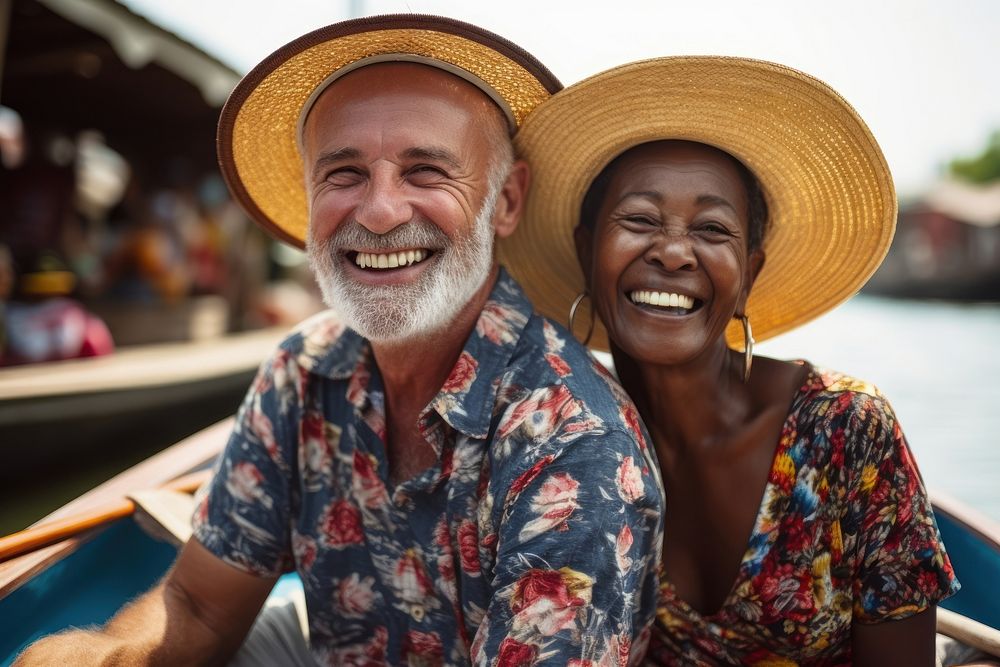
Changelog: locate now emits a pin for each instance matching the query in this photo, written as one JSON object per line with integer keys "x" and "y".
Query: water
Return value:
{"x": 939, "y": 365}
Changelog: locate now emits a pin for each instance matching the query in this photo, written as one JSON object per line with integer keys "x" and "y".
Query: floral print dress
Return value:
{"x": 844, "y": 534}
{"x": 533, "y": 539}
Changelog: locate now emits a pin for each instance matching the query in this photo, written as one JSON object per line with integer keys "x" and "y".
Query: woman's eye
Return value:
{"x": 639, "y": 219}
{"x": 716, "y": 228}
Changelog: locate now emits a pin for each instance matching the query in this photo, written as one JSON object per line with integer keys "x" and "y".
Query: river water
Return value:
{"x": 939, "y": 365}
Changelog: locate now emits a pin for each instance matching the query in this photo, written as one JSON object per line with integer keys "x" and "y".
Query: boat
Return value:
{"x": 68, "y": 410}
{"x": 85, "y": 561}
{"x": 973, "y": 542}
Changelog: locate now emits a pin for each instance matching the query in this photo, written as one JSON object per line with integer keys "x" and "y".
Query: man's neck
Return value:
{"x": 412, "y": 375}
{"x": 413, "y": 371}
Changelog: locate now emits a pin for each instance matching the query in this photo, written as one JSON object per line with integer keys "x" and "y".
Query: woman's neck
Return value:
{"x": 690, "y": 407}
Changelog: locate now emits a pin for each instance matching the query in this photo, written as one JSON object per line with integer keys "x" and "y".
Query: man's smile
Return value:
{"x": 389, "y": 260}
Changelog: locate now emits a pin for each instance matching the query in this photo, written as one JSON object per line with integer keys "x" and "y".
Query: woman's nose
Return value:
{"x": 384, "y": 205}
{"x": 674, "y": 251}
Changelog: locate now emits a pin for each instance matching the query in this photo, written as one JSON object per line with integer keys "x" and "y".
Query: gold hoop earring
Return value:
{"x": 747, "y": 347}
{"x": 572, "y": 315}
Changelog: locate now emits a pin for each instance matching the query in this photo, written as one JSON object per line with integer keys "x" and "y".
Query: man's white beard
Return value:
{"x": 402, "y": 312}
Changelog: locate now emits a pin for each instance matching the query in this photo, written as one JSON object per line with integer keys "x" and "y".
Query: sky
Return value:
{"x": 922, "y": 73}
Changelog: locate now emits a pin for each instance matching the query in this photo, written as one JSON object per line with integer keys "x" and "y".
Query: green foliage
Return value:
{"x": 984, "y": 168}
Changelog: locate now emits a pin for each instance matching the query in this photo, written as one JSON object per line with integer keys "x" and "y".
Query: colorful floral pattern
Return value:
{"x": 534, "y": 539}
{"x": 844, "y": 534}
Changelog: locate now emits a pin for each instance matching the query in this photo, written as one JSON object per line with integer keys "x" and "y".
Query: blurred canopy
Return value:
{"x": 983, "y": 168}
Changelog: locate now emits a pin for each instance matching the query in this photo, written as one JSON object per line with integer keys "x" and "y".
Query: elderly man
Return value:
{"x": 451, "y": 476}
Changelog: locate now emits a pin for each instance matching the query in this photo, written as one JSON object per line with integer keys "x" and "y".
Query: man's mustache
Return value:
{"x": 352, "y": 235}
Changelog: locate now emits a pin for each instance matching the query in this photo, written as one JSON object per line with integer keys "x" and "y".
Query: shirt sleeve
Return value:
{"x": 903, "y": 567}
{"x": 578, "y": 543}
{"x": 242, "y": 516}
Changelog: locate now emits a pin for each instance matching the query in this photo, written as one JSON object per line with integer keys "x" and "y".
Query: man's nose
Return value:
{"x": 672, "y": 250}
{"x": 384, "y": 205}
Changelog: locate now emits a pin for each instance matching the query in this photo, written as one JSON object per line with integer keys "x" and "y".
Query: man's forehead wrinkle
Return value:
{"x": 431, "y": 153}
{"x": 384, "y": 79}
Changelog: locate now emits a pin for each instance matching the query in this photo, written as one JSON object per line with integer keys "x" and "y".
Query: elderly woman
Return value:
{"x": 707, "y": 196}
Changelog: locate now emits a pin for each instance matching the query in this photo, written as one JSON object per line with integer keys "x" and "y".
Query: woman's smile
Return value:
{"x": 669, "y": 259}
{"x": 671, "y": 303}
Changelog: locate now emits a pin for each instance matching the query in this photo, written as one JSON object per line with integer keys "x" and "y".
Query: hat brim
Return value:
{"x": 829, "y": 192}
{"x": 258, "y": 129}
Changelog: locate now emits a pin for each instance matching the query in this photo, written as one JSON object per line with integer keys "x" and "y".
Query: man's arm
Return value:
{"x": 197, "y": 615}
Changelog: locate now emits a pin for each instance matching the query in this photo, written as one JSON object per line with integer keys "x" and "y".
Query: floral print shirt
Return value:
{"x": 534, "y": 538}
{"x": 844, "y": 533}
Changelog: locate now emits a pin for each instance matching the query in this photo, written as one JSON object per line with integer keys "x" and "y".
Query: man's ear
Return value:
{"x": 510, "y": 203}
{"x": 584, "y": 240}
{"x": 754, "y": 265}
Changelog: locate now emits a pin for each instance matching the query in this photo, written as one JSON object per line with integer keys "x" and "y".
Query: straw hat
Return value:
{"x": 258, "y": 139}
{"x": 828, "y": 189}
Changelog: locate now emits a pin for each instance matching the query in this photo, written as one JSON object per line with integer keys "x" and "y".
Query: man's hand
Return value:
{"x": 198, "y": 615}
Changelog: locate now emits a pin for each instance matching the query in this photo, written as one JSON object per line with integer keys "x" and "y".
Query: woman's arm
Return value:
{"x": 910, "y": 641}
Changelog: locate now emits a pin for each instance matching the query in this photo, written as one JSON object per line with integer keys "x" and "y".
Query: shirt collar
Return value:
{"x": 468, "y": 395}
{"x": 329, "y": 348}
{"x": 466, "y": 398}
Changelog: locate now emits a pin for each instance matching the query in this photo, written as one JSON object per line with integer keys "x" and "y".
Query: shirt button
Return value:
{"x": 417, "y": 612}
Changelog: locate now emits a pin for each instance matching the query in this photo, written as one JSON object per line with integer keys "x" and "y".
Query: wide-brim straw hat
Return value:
{"x": 828, "y": 189}
{"x": 258, "y": 138}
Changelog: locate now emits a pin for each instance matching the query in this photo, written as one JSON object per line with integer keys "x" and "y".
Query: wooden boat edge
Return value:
{"x": 192, "y": 453}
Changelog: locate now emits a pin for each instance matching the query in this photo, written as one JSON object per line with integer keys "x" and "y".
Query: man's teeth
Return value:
{"x": 390, "y": 260}
{"x": 663, "y": 299}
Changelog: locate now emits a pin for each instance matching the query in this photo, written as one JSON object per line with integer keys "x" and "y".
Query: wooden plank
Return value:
{"x": 189, "y": 454}
{"x": 969, "y": 632}
{"x": 16, "y": 572}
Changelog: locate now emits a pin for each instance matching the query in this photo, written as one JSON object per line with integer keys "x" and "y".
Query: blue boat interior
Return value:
{"x": 85, "y": 588}
{"x": 977, "y": 565}
{"x": 90, "y": 585}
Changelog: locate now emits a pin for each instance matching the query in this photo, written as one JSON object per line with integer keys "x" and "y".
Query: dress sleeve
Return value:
{"x": 578, "y": 544}
{"x": 902, "y": 568}
{"x": 242, "y": 516}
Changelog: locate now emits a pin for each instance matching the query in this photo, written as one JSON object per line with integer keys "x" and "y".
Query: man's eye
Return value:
{"x": 343, "y": 176}
{"x": 426, "y": 171}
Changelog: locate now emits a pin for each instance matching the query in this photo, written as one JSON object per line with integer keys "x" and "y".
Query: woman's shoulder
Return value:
{"x": 836, "y": 382}
{"x": 838, "y": 402}
{"x": 833, "y": 392}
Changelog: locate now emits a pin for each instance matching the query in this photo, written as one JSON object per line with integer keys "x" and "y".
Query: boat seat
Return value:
{"x": 164, "y": 514}
{"x": 968, "y": 631}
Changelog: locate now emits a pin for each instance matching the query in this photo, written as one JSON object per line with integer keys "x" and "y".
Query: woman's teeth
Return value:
{"x": 390, "y": 260}
{"x": 662, "y": 299}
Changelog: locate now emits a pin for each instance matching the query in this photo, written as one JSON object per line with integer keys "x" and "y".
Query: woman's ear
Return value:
{"x": 584, "y": 240}
{"x": 510, "y": 203}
